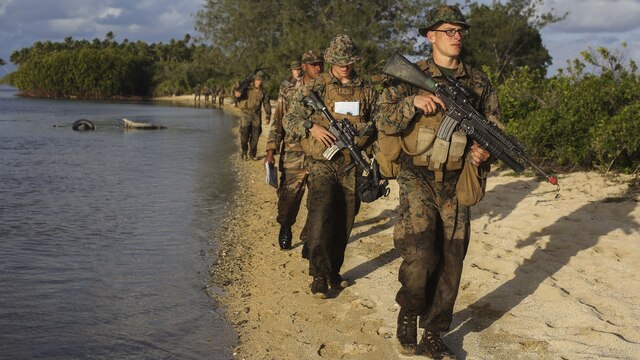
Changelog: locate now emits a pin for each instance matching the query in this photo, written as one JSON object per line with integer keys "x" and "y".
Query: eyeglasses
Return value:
{"x": 452, "y": 32}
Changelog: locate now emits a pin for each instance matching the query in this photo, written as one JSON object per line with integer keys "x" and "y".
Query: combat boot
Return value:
{"x": 434, "y": 347}
{"x": 319, "y": 287}
{"x": 284, "y": 238}
{"x": 407, "y": 332}
{"x": 337, "y": 282}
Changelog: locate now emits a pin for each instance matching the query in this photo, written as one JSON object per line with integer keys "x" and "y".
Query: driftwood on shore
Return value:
{"x": 128, "y": 124}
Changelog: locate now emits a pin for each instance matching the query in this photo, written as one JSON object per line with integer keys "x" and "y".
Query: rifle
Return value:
{"x": 371, "y": 187}
{"x": 244, "y": 85}
{"x": 247, "y": 81}
{"x": 461, "y": 114}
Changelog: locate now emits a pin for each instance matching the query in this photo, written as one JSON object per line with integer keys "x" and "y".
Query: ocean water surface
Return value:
{"x": 106, "y": 236}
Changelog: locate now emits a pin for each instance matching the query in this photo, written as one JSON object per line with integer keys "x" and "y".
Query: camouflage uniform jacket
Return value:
{"x": 357, "y": 89}
{"x": 254, "y": 100}
{"x": 276, "y": 135}
{"x": 396, "y": 110}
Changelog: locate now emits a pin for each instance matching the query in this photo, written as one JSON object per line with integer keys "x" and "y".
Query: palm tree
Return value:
{"x": 3, "y": 64}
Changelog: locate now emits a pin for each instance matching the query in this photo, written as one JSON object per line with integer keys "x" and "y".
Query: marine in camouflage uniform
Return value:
{"x": 432, "y": 233}
{"x": 196, "y": 92}
{"x": 287, "y": 87}
{"x": 293, "y": 175}
{"x": 213, "y": 90}
{"x": 251, "y": 104}
{"x": 221, "y": 93}
{"x": 332, "y": 201}
{"x": 206, "y": 90}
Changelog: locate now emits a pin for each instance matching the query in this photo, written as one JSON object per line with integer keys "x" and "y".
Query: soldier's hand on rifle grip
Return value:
{"x": 478, "y": 154}
{"x": 428, "y": 103}
{"x": 237, "y": 94}
{"x": 270, "y": 158}
{"x": 323, "y": 135}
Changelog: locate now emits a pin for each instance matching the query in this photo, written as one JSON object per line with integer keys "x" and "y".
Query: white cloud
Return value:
{"x": 24, "y": 22}
{"x": 171, "y": 18}
{"x": 567, "y": 46}
{"x": 596, "y": 15}
{"x": 3, "y": 6}
{"x": 135, "y": 29}
{"x": 110, "y": 12}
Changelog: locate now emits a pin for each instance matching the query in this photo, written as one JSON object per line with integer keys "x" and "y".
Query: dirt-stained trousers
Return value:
{"x": 432, "y": 237}
{"x": 293, "y": 179}
{"x": 332, "y": 205}
{"x": 250, "y": 130}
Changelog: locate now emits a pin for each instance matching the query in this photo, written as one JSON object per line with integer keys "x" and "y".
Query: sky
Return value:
{"x": 589, "y": 24}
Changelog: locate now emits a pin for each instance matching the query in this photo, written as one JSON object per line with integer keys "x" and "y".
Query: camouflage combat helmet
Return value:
{"x": 295, "y": 64}
{"x": 341, "y": 51}
{"x": 260, "y": 75}
{"x": 443, "y": 13}
{"x": 312, "y": 57}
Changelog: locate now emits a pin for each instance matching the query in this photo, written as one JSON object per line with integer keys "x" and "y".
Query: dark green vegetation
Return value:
{"x": 246, "y": 35}
{"x": 102, "y": 69}
{"x": 578, "y": 119}
{"x": 5, "y": 76}
{"x": 506, "y": 37}
{"x": 581, "y": 118}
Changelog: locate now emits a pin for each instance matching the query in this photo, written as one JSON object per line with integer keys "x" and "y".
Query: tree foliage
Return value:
{"x": 5, "y": 77}
{"x": 85, "y": 73}
{"x": 270, "y": 34}
{"x": 578, "y": 119}
{"x": 248, "y": 35}
{"x": 107, "y": 69}
{"x": 242, "y": 36}
{"x": 506, "y": 37}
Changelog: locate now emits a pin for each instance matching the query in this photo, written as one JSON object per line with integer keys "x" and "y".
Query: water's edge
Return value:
{"x": 68, "y": 293}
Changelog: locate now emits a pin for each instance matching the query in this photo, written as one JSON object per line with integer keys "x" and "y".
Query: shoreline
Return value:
{"x": 541, "y": 278}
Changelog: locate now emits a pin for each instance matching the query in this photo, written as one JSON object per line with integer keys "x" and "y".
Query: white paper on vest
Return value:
{"x": 347, "y": 108}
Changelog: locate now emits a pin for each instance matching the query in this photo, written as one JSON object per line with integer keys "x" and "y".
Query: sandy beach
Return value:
{"x": 549, "y": 275}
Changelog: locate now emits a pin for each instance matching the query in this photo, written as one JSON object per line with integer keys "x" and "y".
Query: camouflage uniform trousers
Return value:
{"x": 250, "y": 130}
{"x": 293, "y": 179}
{"x": 432, "y": 237}
{"x": 332, "y": 204}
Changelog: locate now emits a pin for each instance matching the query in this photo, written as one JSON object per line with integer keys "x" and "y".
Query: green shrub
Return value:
{"x": 616, "y": 142}
{"x": 86, "y": 73}
{"x": 577, "y": 119}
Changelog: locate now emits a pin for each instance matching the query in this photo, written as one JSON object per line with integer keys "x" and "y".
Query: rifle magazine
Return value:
{"x": 330, "y": 152}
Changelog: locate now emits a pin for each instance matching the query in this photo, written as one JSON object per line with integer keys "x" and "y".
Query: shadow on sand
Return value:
{"x": 381, "y": 260}
{"x": 543, "y": 263}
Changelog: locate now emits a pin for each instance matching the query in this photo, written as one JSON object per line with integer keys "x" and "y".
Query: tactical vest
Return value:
{"x": 286, "y": 96}
{"x": 332, "y": 93}
{"x": 420, "y": 140}
{"x": 253, "y": 103}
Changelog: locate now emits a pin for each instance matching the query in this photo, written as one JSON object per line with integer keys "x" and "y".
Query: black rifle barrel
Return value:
{"x": 484, "y": 132}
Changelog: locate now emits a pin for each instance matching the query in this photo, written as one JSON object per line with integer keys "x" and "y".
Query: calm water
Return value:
{"x": 105, "y": 235}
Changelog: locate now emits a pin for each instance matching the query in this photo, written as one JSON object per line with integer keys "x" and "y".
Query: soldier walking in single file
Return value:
{"x": 432, "y": 233}
{"x": 293, "y": 176}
